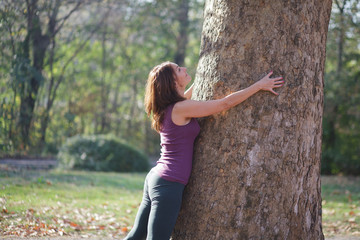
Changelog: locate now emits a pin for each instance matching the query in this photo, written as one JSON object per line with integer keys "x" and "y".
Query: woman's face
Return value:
{"x": 182, "y": 78}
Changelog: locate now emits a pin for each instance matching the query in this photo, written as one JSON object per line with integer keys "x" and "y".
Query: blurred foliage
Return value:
{"x": 101, "y": 153}
{"x": 341, "y": 123}
{"x": 94, "y": 72}
{"x": 95, "y": 69}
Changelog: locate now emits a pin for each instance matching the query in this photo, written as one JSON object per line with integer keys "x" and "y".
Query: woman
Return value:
{"x": 173, "y": 116}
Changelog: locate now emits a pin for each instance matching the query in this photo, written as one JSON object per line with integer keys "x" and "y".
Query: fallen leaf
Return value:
{"x": 4, "y": 210}
{"x": 73, "y": 224}
{"x": 101, "y": 227}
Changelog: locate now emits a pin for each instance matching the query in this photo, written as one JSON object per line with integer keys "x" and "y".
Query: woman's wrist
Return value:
{"x": 257, "y": 86}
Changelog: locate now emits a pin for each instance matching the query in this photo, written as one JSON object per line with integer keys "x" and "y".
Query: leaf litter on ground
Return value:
{"x": 63, "y": 222}
{"x": 69, "y": 214}
{"x": 341, "y": 206}
{"x": 79, "y": 216}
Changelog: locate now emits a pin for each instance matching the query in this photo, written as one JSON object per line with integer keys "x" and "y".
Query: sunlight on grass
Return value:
{"x": 62, "y": 202}
{"x": 53, "y": 203}
{"x": 341, "y": 205}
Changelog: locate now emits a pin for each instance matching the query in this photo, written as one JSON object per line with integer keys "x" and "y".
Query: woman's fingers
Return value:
{"x": 274, "y": 92}
{"x": 269, "y": 74}
{"x": 277, "y": 79}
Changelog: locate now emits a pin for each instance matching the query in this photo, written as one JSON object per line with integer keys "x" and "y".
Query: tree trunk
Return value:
{"x": 182, "y": 37}
{"x": 331, "y": 140}
{"x": 38, "y": 44}
{"x": 54, "y": 26}
{"x": 49, "y": 101}
{"x": 133, "y": 105}
{"x": 341, "y": 36}
{"x": 103, "y": 85}
{"x": 256, "y": 169}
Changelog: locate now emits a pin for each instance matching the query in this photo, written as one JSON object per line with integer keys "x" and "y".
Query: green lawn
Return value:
{"x": 62, "y": 202}
{"x": 341, "y": 205}
{"x": 53, "y": 203}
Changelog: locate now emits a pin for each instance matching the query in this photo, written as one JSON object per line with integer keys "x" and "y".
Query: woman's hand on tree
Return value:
{"x": 268, "y": 84}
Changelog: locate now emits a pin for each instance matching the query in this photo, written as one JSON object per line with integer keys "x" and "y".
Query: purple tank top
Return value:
{"x": 177, "y": 144}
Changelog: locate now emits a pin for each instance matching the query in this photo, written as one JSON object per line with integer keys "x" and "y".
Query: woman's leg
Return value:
{"x": 139, "y": 229}
{"x": 166, "y": 199}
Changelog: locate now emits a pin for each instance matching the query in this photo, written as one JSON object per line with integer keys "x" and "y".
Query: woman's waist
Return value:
{"x": 171, "y": 172}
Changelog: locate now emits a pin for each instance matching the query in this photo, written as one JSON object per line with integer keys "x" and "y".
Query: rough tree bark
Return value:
{"x": 256, "y": 170}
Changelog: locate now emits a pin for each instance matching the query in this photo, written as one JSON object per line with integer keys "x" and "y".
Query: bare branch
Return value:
{"x": 52, "y": 18}
{"x": 77, "y": 51}
{"x": 341, "y": 8}
{"x": 51, "y": 61}
{"x": 67, "y": 17}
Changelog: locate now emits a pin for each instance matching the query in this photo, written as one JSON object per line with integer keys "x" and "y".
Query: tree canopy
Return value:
{"x": 91, "y": 74}
{"x": 80, "y": 67}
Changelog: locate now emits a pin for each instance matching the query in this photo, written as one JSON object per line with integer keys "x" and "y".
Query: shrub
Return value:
{"x": 101, "y": 153}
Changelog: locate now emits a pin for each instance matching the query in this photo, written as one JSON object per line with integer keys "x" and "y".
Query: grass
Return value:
{"x": 62, "y": 202}
{"x": 341, "y": 205}
{"x": 53, "y": 203}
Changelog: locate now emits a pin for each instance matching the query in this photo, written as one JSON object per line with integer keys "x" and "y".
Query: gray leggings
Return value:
{"x": 158, "y": 210}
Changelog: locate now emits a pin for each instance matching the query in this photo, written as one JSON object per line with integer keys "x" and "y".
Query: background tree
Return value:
{"x": 256, "y": 171}
{"x": 341, "y": 139}
{"x": 30, "y": 41}
{"x": 56, "y": 79}
{"x": 94, "y": 72}
{"x": 94, "y": 68}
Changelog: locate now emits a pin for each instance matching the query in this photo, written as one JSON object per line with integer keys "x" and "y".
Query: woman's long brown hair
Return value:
{"x": 160, "y": 92}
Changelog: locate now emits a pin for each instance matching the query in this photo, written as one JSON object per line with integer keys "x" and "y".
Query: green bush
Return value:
{"x": 101, "y": 153}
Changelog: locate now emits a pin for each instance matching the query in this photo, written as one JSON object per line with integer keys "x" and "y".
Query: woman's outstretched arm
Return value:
{"x": 193, "y": 109}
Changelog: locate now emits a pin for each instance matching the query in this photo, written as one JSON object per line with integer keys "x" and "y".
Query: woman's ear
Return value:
{"x": 176, "y": 82}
